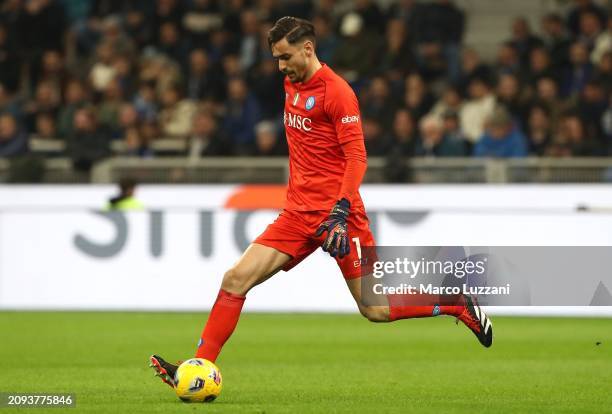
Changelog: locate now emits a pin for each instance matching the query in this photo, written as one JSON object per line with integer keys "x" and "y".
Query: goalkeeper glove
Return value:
{"x": 336, "y": 243}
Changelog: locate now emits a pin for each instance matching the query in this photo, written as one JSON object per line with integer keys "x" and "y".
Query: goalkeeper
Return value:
{"x": 327, "y": 162}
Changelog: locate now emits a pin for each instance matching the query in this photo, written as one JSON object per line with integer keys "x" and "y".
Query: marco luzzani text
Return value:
{"x": 410, "y": 269}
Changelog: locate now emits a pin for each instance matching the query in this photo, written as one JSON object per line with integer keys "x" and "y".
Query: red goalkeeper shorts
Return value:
{"x": 293, "y": 233}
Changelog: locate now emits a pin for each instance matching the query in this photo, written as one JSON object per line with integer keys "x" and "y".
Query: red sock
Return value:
{"x": 220, "y": 325}
{"x": 419, "y": 306}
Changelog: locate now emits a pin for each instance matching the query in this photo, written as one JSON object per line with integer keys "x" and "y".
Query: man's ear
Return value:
{"x": 308, "y": 48}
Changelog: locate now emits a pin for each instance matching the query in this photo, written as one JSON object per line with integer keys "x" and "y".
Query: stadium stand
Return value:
{"x": 162, "y": 86}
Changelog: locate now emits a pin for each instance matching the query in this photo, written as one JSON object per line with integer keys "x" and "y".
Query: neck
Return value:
{"x": 314, "y": 67}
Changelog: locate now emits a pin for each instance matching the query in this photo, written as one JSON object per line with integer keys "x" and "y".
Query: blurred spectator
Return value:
{"x": 113, "y": 35}
{"x": 375, "y": 142}
{"x": 249, "y": 41}
{"x": 167, "y": 11}
{"x": 377, "y": 102}
{"x": 590, "y": 29}
{"x": 592, "y": 104}
{"x": 145, "y": 101}
{"x": 9, "y": 104}
{"x": 523, "y": 40}
{"x": 125, "y": 75}
{"x": 53, "y": 70}
{"x": 403, "y": 134}
{"x": 103, "y": 71}
{"x": 162, "y": 72}
{"x": 88, "y": 142}
{"x": 547, "y": 94}
{"x": 267, "y": 87}
{"x": 354, "y": 56}
{"x": 539, "y": 130}
{"x": 508, "y": 59}
{"x": 128, "y": 124}
{"x": 471, "y": 68}
{"x": 206, "y": 138}
{"x": 438, "y": 34}
{"x": 372, "y": 16}
{"x": 451, "y": 101}
{"x": 501, "y": 138}
{"x": 139, "y": 143}
{"x": 509, "y": 95}
{"x": 396, "y": 56}
{"x": 40, "y": 27}
{"x": 581, "y": 7}
{"x": 478, "y": 107}
{"x": 327, "y": 41}
{"x": 13, "y": 141}
{"x": 433, "y": 142}
{"x": 267, "y": 143}
{"x": 417, "y": 97}
{"x": 176, "y": 116}
{"x": 242, "y": 112}
{"x": 231, "y": 18}
{"x": 46, "y": 100}
{"x": 452, "y": 131}
{"x": 45, "y": 127}
{"x": 171, "y": 44}
{"x": 540, "y": 66}
{"x": 9, "y": 67}
{"x": 402, "y": 141}
{"x": 136, "y": 143}
{"x": 602, "y": 44}
{"x": 573, "y": 139}
{"x": 137, "y": 25}
{"x": 579, "y": 72}
{"x": 75, "y": 97}
{"x": 556, "y": 40}
{"x": 202, "y": 81}
{"x": 603, "y": 73}
{"x": 108, "y": 110}
{"x": 202, "y": 17}
{"x": 606, "y": 125}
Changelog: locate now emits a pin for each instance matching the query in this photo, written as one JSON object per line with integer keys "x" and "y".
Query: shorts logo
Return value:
{"x": 310, "y": 103}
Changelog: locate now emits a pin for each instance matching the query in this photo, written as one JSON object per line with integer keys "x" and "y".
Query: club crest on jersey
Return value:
{"x": 310, "y": 103}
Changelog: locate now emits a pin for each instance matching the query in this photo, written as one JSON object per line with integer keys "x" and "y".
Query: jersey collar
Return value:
{"x": 315, "y": 76}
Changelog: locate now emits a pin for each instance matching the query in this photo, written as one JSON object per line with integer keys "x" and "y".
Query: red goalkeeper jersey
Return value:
{"x": 320, "y": 115}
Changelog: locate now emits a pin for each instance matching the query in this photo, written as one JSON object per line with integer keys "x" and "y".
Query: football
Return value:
{"x": 198, "y": 380}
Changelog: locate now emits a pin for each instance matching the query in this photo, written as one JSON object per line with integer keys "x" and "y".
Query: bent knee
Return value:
{"x": 375, "y": 313}
{"x": 236, "y": 281}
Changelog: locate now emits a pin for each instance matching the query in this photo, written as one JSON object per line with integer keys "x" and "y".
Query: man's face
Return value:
{"x": 292, "y": 59}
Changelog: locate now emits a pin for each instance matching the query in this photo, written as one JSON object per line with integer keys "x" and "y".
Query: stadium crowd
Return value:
{"x": 94, "y": 72}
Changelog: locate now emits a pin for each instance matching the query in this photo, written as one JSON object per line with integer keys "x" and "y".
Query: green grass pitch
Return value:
{"x": 301, "y": 363}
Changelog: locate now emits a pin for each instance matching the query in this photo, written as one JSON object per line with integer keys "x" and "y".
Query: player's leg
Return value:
{"x": 395, "y": 307}
{"x": 399, "y": 306}
{"x": 257, "y": 264}
{"x": 403, "y": 307}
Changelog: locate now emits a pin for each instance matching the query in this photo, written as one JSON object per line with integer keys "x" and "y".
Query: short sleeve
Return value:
{"x": 343, "y": 110}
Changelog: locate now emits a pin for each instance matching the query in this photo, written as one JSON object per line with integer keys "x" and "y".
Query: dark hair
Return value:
{"x": 293, "y": 28}
{"x": 554, "y": 17}
{"x": 127, "y": 183}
